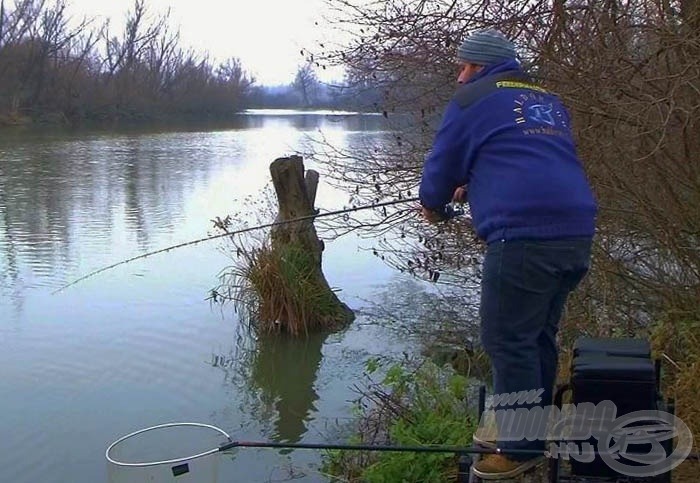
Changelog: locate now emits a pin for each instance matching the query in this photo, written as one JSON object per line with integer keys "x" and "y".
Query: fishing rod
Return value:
{"x": 231, "y": 444}
{"x": 380, "y": 448}
{"x": 450, "y": 212}
{"x": 556, "y": 450}
{"x": 457, "y": 450}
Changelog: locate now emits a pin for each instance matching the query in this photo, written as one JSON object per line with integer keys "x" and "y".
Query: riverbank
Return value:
{"x": 112, "y": 119}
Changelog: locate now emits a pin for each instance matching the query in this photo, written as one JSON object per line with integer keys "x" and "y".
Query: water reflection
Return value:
{"x": 284, "y": 371}
{"x": 317, "y": 120}
{"x": 64, "y": 188}
{"x": 9, "y": 267}
{"x": 65, "y": 198}
{"x": 124, "y": 350}
{"x": 279, "y": 374}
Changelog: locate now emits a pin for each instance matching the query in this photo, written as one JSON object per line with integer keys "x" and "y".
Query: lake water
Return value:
{"x": 140, "y": 345}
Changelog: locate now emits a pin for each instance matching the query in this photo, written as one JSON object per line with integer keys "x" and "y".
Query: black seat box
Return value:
{"x": 617, "y": 370}
{"x": 622, "y": 347}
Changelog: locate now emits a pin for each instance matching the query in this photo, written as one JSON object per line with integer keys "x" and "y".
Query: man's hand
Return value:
{"x": 432, "y": 216}
{"x": 460, "y": 195}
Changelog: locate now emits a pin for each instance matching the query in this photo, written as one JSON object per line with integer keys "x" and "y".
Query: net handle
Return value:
{"x": 164, "y": 462}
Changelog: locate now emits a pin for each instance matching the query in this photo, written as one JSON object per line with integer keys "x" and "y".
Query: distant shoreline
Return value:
{"x": 12, "y": 121}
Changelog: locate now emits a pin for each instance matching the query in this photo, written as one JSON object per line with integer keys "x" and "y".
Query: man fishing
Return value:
{"x": 506, "y": 147}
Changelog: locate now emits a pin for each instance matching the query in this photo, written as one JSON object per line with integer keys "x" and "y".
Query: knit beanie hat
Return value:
{"x": 486, "y": 47}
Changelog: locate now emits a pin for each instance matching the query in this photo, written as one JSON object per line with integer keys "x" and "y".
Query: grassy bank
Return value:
{"x": 408, "y": 403}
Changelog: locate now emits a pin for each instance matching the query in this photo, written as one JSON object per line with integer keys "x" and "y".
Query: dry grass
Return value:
{"x": 677, "y": 341}
{"x": 687, "y": 388}
{"x": 277, "y": 290}
{"x": 13, "y": 119}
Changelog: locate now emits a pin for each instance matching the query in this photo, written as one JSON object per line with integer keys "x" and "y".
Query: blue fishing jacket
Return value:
{"x": 509, "y": 142}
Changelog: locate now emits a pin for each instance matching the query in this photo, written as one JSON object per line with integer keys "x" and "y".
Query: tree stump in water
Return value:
{"x": 313, "y": 301}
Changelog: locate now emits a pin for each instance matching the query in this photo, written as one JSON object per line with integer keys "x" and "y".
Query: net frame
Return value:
{"x": 164, "y": 462}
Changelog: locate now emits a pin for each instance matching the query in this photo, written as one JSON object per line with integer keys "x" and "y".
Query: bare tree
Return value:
{"x": 629, "y": 72}
{"x": 306, "y": 84}
{"x": 55, "y": 72}
{"x": 234, "y": 76}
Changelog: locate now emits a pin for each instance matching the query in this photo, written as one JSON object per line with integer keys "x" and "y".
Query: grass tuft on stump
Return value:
{"x": 276, "y": 288}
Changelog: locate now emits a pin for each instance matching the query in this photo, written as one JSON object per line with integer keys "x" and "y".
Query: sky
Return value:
{"x": 266, "y": 35}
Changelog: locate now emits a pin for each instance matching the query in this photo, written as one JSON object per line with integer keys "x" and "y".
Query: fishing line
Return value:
{"x": 231, "y": 233}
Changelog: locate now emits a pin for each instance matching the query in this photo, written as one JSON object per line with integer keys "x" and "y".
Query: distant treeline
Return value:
{"x": 52, "y": 71}
{"x": 323, "y": 96}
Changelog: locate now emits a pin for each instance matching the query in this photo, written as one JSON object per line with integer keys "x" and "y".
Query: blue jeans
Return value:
{"x": 524, "y": 289}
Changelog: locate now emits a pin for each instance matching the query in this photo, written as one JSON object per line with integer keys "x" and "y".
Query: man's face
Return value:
{"x": 466, "y": 71}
